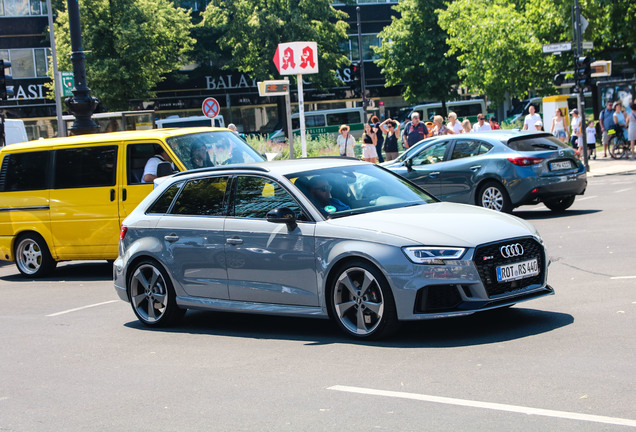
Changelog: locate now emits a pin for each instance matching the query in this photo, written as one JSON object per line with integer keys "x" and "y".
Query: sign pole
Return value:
{"x": 578, "y": 32}
{"x": 61, "y": 126}
{"x": 301, "y": 115}
{"x": 289, "y": 124}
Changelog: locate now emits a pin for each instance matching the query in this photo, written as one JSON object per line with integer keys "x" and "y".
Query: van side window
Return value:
{"x": 348, "y": 118}
{"x": 24, "y": 171}
{"x": 136, "y": 158}
{"x": 85, "y": 167}
{"x": 203, "y": 197}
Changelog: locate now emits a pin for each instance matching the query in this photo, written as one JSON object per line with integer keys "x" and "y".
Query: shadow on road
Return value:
{"x": 482, "y": 328}
{"x": 549, "y": 214}
{"x": 72, "y": 271}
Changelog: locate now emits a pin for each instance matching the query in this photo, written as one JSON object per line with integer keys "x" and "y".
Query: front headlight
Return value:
{"x": 432, "y": 255}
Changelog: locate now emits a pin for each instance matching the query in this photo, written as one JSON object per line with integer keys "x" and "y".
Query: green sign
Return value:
{"x": 68, "y": 82}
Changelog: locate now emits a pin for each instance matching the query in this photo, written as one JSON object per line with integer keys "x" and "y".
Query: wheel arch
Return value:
{"x": 46, "y": 236}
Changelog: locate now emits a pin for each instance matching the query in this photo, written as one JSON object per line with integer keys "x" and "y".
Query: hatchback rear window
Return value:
{"x": 535, "y": 143}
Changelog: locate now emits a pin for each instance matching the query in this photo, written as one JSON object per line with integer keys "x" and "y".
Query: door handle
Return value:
{"x": 124, "y": 194}
{"x": 171, "y": 237}
{"x": 433, "y": 174}
{"x": 234, "y": 241}
{"x": 112, "y": 194}
{"x": 475, "y": 168}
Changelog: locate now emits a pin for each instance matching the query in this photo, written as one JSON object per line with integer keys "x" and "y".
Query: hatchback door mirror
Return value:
{"x": 408, "y": 163}
{"x": 283, "y": 215}
{"x": 164, "y": 169}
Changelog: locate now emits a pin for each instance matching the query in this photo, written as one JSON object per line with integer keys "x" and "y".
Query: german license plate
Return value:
{"x": 518, "y": 270}
{"x": 563, "y": 165}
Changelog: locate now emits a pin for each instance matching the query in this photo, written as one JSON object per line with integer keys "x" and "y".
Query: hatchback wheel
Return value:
{"x": 32, "y": 256}
{"x": 559, "y": 205}
{"x": 152, "y": 296}
{"x": 493, "y": 195}
{"x": 362, "y": 303}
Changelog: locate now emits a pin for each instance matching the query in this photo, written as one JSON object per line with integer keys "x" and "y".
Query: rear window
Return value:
{"x": 535, "y": 143}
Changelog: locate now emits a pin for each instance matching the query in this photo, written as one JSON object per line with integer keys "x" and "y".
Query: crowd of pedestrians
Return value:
{"x": 380, "y": 140}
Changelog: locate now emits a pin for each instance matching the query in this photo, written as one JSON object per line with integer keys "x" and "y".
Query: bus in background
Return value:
{"x": 193, "y": 121}
{"x": 119, "y": 121}
{"x": 464, "y": 109}
{"x": 325, "y": 122}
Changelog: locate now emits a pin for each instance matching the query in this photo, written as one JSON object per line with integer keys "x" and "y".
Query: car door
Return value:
{"x": 268, "y": 262}
{"x": 132, "y": 189}
{"x": 84, "y": 202}
{"x": 192, "y": 235}
{"x": 426, "y": 165}
{"x": 463, "y": 169}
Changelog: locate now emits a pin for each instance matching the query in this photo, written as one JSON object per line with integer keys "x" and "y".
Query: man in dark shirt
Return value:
{"x": 414, "y": 131}
{"x": 606, "y": 122}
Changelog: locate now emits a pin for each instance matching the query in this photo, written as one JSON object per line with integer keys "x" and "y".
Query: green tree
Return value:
{"x": 130, "y": 46}
{"x": 414, "y": 52}
{"x": 250, "y": 30}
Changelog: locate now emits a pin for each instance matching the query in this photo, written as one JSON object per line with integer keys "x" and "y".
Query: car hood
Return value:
{"x": 438, "y": 224}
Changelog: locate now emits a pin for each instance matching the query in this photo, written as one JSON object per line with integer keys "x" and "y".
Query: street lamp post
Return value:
{"x": 81, "y": 104}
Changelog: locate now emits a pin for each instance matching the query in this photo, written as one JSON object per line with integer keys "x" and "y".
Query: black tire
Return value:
{"x": 32, "y": 256}
{"x": 152, "y": 295}
{"x": 492, "y": 195}
{"x": 618, "y": 148}
{"x": 559, "y": 205}
{"x": 361, "y": 302}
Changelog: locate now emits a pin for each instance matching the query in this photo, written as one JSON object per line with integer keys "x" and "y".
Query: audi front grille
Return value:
{"x": 488, "y": 257}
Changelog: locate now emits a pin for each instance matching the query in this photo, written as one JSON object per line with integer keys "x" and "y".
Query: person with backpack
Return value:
{"x": 346, "y": 142}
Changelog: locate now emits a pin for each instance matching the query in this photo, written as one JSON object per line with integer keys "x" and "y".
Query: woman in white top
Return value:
{"x": 369, "y": 141}
{"x": 346, "y": 142}
{"x": 453, "y": 124}
{"x": 559, "y": 126}
{"x": 576, "y": 131}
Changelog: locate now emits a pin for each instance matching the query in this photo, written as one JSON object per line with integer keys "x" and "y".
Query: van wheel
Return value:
{"x": 32, "y": 256}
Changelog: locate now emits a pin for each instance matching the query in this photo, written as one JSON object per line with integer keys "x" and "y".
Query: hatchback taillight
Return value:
{"x": 122, "y": 233}
{"x": 525, "y": 161}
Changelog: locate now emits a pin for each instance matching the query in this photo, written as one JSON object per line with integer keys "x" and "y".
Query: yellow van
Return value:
{"x": 65, "y": 198}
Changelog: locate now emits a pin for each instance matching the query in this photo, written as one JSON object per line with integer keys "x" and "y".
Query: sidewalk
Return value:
{"x": 608, "y": 166}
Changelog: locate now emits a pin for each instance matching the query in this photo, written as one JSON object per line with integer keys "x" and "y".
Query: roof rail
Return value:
{"x": 223, "y": 168}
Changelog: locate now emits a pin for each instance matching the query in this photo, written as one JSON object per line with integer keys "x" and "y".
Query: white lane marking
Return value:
{"x": 586, "y": 198}
{"x": 80, "y": 308}
{"x": 623, "y": 277}
{"x": 623, "y": 190}
{"x": 488, "y": 405}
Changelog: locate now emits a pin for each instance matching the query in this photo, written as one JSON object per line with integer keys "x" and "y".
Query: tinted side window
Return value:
{"x": 468, "y": 148}
{"x": 316, "y": 120}
{"x": 85, "y": 167}
{"x": 255, "y": 196}
{"x": 348, "y": 118}
{"x": 24, "y": 171}
{"x": 432, "y": 154}
{"x": 138, "y": 155}
{"x": 202, "y": 197}
{"x": 162, "y": 205}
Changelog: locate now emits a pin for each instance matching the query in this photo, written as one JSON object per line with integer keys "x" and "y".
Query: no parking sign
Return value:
{"x": 211, "y": 107}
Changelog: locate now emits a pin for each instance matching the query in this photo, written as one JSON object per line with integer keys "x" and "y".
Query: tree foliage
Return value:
{"x": 414, "y": 52}
{"x": 250, "y": 30}
{"x": 130, "y": 46}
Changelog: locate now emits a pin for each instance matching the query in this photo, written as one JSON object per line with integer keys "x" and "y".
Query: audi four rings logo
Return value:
{"x": 511, "y": 250}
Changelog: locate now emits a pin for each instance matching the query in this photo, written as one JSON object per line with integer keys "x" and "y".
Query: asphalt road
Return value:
{"x": 73, "y": 357}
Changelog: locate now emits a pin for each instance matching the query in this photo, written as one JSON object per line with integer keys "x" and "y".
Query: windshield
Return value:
{"x": 206, "y": 149}
{"x": 343, "y": 191}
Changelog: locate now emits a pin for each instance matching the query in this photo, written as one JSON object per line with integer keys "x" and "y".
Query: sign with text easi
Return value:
{"x": 295, "y": 58}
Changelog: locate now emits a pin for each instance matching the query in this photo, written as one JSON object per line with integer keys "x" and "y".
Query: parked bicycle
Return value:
{"x": 618, "y": 145}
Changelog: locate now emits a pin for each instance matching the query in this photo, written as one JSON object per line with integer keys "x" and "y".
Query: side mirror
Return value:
{"x": 283, "y": 215}
{"x": 164, "y": 169}
{"x": 408, "y": 163}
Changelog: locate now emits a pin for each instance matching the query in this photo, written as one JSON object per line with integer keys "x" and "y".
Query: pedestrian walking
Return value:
{"x": 559, "y": 126}
{"x": 375, "y": 123}
{"x": 369, "y": 139}
{"x": 346, "y": 141}
{"x": 481, "y": 124}
{"x": 392, "y": 130}
{"x": 453, "y": 123}
{"x": 414, "y": 131}
{"x": 590, "y": 132}
{"x": 576, "y": 131}
{"x": 531, "y": 119}
{"x": 606, "y": 122}
{"x": 631, "y": 132}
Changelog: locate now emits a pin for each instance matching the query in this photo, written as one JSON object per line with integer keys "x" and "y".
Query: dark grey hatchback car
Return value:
{"x": 499, "y": 170}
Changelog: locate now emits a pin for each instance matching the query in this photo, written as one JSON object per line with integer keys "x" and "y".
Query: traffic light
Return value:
{"x": 355, "y": 78}
{"x": 583, "y": 71}
{"x": 6, "y": 81}
{"x": 558, "y": 79}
